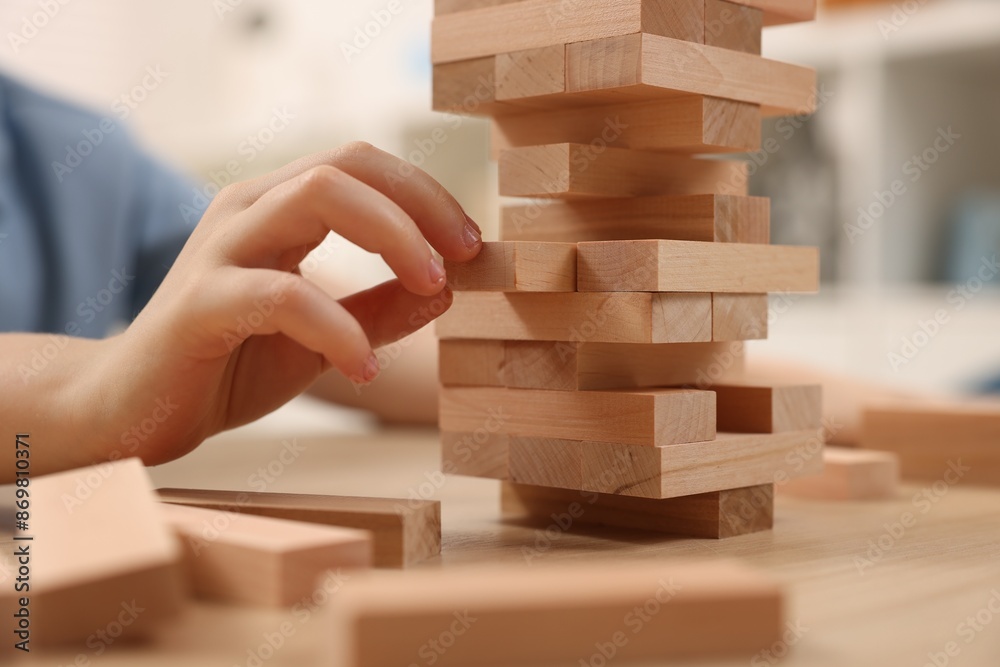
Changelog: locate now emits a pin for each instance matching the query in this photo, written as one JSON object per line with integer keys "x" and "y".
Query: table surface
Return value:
{"x": 911, "y": 601}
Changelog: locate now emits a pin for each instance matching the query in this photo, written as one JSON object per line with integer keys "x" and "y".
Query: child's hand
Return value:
{"x": 234, "y": 331}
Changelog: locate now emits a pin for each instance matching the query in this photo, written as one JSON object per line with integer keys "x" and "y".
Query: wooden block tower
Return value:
{"x": 592, "y": 357}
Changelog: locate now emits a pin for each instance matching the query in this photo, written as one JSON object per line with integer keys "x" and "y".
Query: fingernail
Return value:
{"x": 436, "y": 272}
{"x": 371, "y": 368}
{"x": 472, "y": 236}
{"x": 472, "y": 222}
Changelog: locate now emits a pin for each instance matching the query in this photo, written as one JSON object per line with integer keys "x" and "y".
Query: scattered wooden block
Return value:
{"x": 257, "y": 560}
{"x": 651, "y": 417}
{"x": 739, "y": 316}
{"x": 404, "y": 531}
{"x": 849, "y": 474}
{"x": 644, "y": 66}
{"x": 102, "y": 555}
{"x": 517, "y": 615}
{"x": 715, "y": 515}
{"x": 623, "y": 317}
{"x": 581, "y": 170}
{"x": 956, "y": 442}
{"x": 516, "y": 266}
{"x": 695, "y": 266}
{"x": 697, "y": 125}
{"x": 479, "y": 453}
{"x": 769, "y": 409}
{"x": 712, "y": 217}
{"x": 531, "y": 73}
{"x": 732, "y": 460}
{"x": 733, "y": 26}
{"x": 467, "y": 86}
{"x": 533, "y": 24}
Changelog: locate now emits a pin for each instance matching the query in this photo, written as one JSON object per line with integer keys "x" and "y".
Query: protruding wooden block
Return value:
{"x": 637, "y": 67}
{"x": 551, "y": 614}
{"x": 516, "y": 266}
{"x": 695, "y": 266}
{"x": 405, "y": 531}
{"x": 690, "y": 124}
{"x": 769, "y": 409}
{"x": 739, "y": 316}
{"x": 849, "y": 474}
{"x": 953, "y": 441}
{"x": 733, "y": 26}
{"x": 257, "y": 560}
{"x": 717, "y": 218}
{"x": 101, "y": 554}
{"x": 714, "y": 515}
{"x": 539, "y": 23}
{"x": 650, "y": 417}
{"x": 466, "y": 86}
{"x": 623, "y": 317}
{"x": 532, "y": 73}
{"x": 583, "y": 170}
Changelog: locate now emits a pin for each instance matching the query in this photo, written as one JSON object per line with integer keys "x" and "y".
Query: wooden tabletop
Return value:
{"x": 861, "y": 591}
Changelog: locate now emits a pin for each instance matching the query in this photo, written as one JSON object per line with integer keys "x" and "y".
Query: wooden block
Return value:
{"x": 651, "y": 417}
{"x": 717, "y": 218}
{"x": 695, "y": 266}
{"x": 769, "y": 408}
{"x": 257, "y": 560}
{"x": 404, "y": 531}
{"x": 471, "y": 363}
{"x": 733, "y": 26}
{"x": 636, "y": 67}
{"x": 101, "y": 554}
{"x": 531, "y": 73}
{"x": 849, "y": 474}
{"x": 690, "y": 124}
{"x": 502, "y": 615}
{"x": 951, "y": 441}
{"x": 545, "y": 462}
{"x": 622, "y": 317}
{"x": 718, "y": 514}
{"x": 516, "y": 266}
{"x": 479, "y": 453}
{"x": 467, "y": 86}
{"x": 582, "y": 170}
{"x": 739, "y": 317}
{"x": 532, "y": 24}
{"x": 588, "y": 366}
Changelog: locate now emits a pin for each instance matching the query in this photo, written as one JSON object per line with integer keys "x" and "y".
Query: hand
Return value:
{"x": 235, "y": 331}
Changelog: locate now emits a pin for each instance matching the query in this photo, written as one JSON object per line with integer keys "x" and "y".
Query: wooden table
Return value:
{"x": 911, "y": 601}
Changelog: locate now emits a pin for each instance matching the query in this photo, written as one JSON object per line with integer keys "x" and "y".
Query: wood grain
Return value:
{"x": 773, "y": 408}
{"x": 739, "y": 317}
{"x": 849, "y": 474}
{"x": 733, "y": 26}
{"x": 531, "y": 73}
{"x": 404, "y": 531}
{"x": 472, "y": 363}
{"x": 467, "y": 86}
{"x": 516, "y": 266}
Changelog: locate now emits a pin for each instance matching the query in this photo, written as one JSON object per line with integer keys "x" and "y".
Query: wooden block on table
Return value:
{"x": 504, "y": 615}
{"x": 516, "y": 266}
{"x": 533, "y": 24}
{"x": 711, "y": 217}
{"x": 479, "y": 453}
{"x": 691, "y": 124}
{"x": 581, "y": 170}
{"x": 404, "y": 531}
{"x": 718, "y": 514}
{"x": 849, "y": 474}
{"x": 531, "y": 73}
{"x": 739, "y": 316}
{"x": 949, "y": 440}
{"x": 769, "y": 408}
{"x": 733, "y": 26}
{"x": 695, "y": 266}
{"x": 101, "y": 551}
{"x": 622, "y": 317}
{"x": 651, "y": 417}
{"x": 466, "y": 86}
{"x": 644, "y": 66}
{"x": 259, "y": 560}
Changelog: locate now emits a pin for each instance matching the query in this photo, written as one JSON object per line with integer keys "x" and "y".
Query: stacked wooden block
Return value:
{"x": 591, "y": 357}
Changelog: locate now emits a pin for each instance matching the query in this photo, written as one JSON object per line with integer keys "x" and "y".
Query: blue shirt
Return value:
{"x": 89, "y": 224}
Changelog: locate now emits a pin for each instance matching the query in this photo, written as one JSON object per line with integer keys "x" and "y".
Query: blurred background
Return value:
{"x": 909, "y": 94}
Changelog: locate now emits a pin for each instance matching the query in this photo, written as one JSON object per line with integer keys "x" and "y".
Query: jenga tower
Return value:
{"x": 592, "y": 356}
